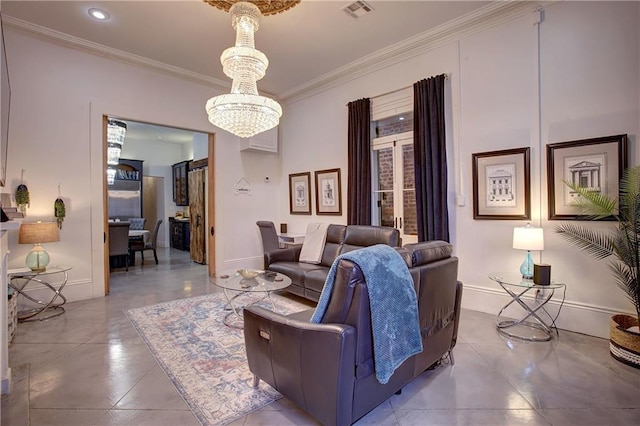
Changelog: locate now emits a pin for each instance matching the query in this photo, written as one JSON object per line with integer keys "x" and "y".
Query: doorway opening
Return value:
{"x": 144, "y": 188}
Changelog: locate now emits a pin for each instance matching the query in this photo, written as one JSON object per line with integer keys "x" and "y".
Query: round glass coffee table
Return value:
{"x": 235, "y": 285}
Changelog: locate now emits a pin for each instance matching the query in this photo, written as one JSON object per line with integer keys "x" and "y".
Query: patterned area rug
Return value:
{"x": 205, "y": 359}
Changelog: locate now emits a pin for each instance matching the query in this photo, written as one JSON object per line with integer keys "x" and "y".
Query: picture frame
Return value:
{"x": 597, "y": 163}
{"x": 502, "y": 185}
{"x": 328, "y": 194}
{"x": 300, "y": 193}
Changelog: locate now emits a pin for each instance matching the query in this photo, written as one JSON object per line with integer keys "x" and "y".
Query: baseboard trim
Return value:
{"x": 254, "y": 262}
{"x": 578, "y": 317}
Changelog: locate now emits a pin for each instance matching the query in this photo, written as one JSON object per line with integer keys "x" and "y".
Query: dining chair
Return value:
{"x": 269, "y": 236}
{"x": 119, "y": 241}
{"x": 149, "y": 245}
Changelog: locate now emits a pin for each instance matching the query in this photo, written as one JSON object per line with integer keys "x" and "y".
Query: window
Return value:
{"x": 393, "y": 186}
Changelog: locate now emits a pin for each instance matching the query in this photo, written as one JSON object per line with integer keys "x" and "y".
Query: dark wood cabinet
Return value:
{"x": 180, "y": 234}
{"x": 181, "y": 183}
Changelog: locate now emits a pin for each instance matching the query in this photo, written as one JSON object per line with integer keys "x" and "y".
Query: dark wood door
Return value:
{"x": 197, "y": 215}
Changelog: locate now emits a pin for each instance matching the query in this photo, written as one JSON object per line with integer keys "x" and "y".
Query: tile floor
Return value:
{"x": 89, "y": 367}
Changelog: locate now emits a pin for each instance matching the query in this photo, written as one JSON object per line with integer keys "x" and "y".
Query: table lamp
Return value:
{"x": 527, "y": 238}
{"x": 38, "y": 233}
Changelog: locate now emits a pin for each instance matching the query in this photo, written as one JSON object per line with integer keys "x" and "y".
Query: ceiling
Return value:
{"x": 304, "y": 44}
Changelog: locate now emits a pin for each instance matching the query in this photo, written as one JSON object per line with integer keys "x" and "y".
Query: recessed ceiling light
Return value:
{"x": 98, "y": 14}
{"x": 401, "y": 118}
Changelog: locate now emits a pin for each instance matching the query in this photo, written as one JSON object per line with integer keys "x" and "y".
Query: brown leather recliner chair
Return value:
{"x": 328, "y": 369}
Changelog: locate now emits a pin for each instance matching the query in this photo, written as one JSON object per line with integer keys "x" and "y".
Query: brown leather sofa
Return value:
{"x": 307, "y": 279}
{"x": 327, "y": 368}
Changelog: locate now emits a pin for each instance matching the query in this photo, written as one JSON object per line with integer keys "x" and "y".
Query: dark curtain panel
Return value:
{"x": 430, "y": 158}
{"x": 359, "y": 163}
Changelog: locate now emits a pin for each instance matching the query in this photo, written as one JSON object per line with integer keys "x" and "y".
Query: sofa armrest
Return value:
{"x": 289, "y": 254}
{"x": 311, "y": 364}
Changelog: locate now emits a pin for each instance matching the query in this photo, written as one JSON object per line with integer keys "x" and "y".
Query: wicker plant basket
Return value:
{"x": 624, "y": 345}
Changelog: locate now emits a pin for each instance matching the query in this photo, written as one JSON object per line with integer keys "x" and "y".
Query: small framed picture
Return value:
{"x": 328, "y": 198}
{"x": 501, "y": 185}
{"x": 597, "y": 164}
{"x": 300, "y": 193}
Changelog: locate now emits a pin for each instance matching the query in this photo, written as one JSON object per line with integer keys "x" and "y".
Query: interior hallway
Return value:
{"x": 90, "y": 367}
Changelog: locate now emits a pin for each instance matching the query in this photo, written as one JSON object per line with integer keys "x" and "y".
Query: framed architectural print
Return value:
{"x": 300, "y": 193}
{"x": 328, "y": 198}
{"x": 596, "y": 164}
{"x": 501, "y": 185}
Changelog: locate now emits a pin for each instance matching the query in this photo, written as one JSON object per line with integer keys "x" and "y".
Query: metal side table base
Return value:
{"x": 19, "y": 281}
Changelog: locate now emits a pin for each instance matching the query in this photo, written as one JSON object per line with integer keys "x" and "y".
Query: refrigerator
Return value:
{"x": 125, "y": 199}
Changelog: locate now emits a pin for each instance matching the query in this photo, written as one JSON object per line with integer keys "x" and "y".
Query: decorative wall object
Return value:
{"x": 59, "y": 209}
{"x": 242, "y": 187}
{"x": 22, "y": 196}
{"x": 300, "y": 193}
{"x": 596, "y": 164}
{"x": 328, "y": 196}
{"x": 501, "y": 185}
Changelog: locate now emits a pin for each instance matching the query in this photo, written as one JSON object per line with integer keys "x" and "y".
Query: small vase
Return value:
{"x": 624, "y": 345}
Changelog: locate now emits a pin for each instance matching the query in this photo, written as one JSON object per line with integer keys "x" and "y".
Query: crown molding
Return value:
{"x": 110, "y": 53}
{"x": 490, "y": 16}
{"x": 482, "y": 19}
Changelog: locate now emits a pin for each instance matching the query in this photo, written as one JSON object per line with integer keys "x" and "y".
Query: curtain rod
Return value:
{"x": 446, "y": 77}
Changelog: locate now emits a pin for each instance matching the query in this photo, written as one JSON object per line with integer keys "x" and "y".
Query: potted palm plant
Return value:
{"x": 622, "y": 245}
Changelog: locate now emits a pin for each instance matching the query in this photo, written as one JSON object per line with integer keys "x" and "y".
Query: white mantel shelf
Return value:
{"x": 7, "y": 226}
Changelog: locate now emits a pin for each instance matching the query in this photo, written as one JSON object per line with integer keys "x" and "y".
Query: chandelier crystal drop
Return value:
{"x": 111, "y": 176}
{"x": 116, "y": 131}
{"x": 244, "y": 112}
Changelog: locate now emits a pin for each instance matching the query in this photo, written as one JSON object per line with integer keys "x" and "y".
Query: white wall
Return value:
{"x": 508, "y": 87}
{"x": 58, "y": 98}
{"x": 502, "y": 92}
{"x": 200, "y": 146}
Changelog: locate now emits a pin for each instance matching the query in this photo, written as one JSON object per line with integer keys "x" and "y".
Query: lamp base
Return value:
{"x": 37, "y": 259}
{"x": 526, "y": 269}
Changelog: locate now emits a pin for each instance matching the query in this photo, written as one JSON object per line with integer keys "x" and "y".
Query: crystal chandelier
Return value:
{"x": 244, "y": 112}
{"x": 115, "y": 139}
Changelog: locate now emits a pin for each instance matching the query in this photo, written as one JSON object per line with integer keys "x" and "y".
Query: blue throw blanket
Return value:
{"x": 393, "y": 304}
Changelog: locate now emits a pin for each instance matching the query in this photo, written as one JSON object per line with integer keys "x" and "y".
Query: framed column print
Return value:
{"x": 597, "y": 164}
{"x": 501, "y": 185}
{"x": 328, "y": 198}
{"x": 300, "y": 193}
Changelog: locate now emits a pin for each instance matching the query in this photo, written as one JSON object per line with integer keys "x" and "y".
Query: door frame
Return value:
{"x": 210, "y": 204}
{"x": 210, "y": 200}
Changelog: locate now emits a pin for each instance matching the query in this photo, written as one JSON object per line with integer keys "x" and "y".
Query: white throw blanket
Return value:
{"x": 313, "y": 244}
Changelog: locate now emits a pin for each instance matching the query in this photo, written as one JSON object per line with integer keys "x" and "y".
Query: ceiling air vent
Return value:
{"x": 357, "y": 9}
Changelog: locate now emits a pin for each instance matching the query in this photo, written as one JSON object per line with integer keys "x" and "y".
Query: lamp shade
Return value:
{"x": 528, "y": 238}
{"x": 38, "y": 233}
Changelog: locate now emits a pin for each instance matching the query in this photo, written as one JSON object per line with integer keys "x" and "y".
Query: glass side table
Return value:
{"x": 265, "y": 283}
{"x": 532, "y": 298}
{"x": 54, "y": 278}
